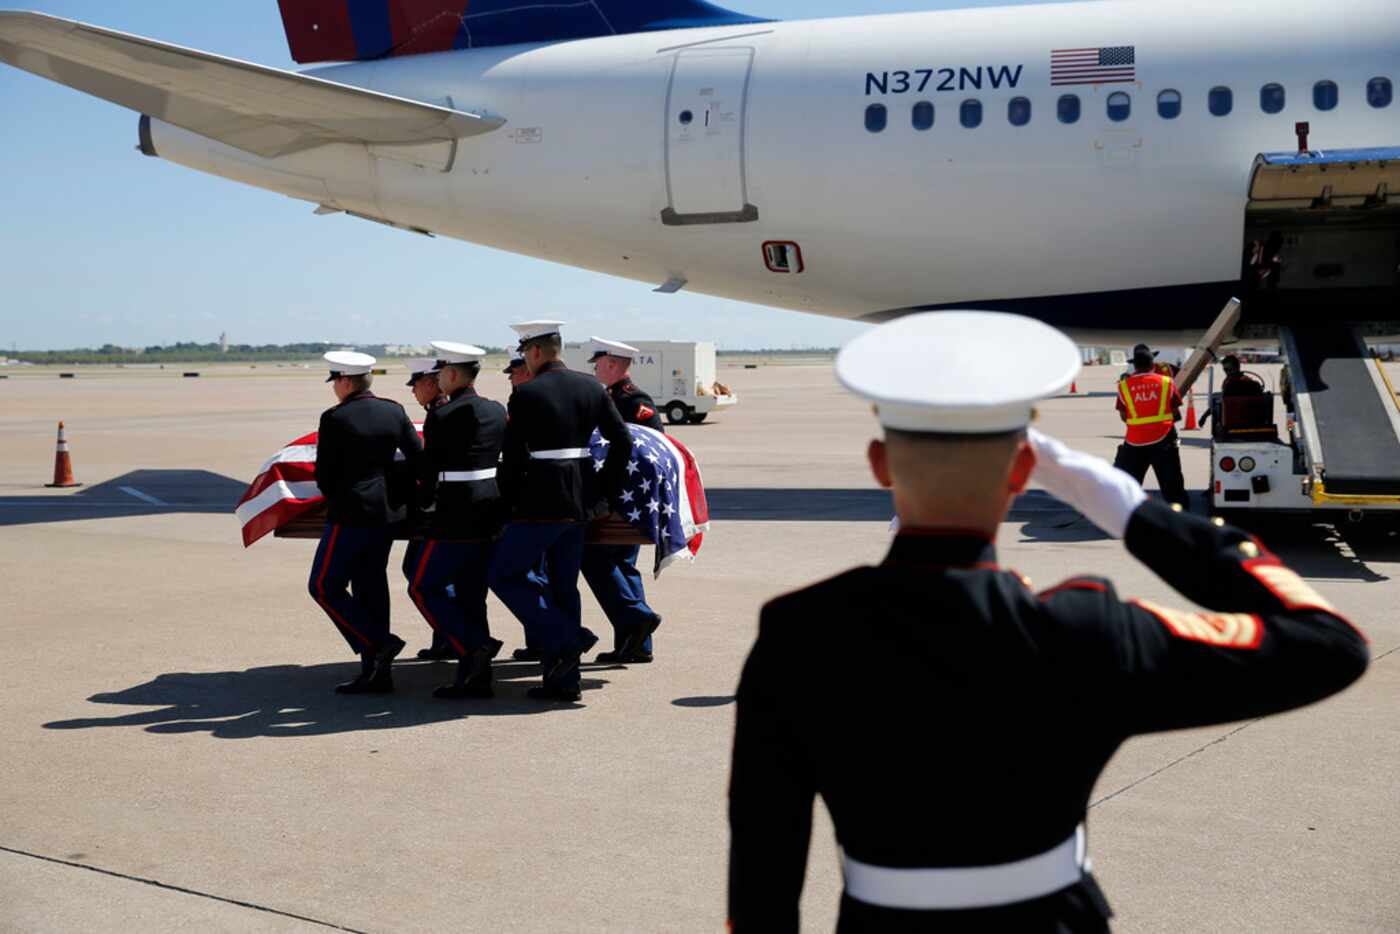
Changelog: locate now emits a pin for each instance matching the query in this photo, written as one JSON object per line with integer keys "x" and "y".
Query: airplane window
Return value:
{"x": 1068, "y": 108}
{"x": 875, "y": 117}
{"x": 1325, "y": 95}
{"x": 1018, "y": 111}
{"x": 1221, "y": 101}
{"x": 1120, "y": 106}
{"x": 1379, "y": 92}
{"x": 923, "y": 115}
{"x": 1271, "y": 98}
{"x": 970, "y": 113}
{"x": 1169, "y": 105}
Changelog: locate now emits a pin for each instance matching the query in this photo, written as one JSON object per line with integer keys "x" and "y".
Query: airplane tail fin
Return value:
{"x": 357, "y": 30}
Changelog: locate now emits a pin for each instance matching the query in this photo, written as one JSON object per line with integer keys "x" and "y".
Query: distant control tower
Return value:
{"x": 223, "y": 342}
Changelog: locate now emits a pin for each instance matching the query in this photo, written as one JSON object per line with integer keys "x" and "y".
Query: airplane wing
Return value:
{"x": 265, "y": 111}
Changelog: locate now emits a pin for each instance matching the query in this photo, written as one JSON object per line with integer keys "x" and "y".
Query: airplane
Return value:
{"x": 1094, "y": 165}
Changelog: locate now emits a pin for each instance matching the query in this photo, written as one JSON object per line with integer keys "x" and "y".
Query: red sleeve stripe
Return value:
{"x": 1075, "y": 584}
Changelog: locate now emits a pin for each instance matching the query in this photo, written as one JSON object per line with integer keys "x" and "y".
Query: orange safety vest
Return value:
{"x": 1147, "y": 397}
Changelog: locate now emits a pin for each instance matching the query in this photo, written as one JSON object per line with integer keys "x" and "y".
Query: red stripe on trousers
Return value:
{"x": 321, "y": 591}
{"x": 417, "y": 596}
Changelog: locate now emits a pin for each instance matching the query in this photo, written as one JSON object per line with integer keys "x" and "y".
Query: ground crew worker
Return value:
{"x": 1022, "y": 698}
{"x": 422, "y": 379}
{"x": 461, "y": 447}
{"x": 355, "y": 448}
{"x": 611, "y": 570}
{"x": 1149, "y": 404}
{"x": 549, "y": 481}
{"x": 1237, "y": 382}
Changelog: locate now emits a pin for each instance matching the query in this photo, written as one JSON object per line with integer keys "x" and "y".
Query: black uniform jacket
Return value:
{"x": 558, "y": 409}
{"x": 976, "y": 715}
{"x": 635, "y": 406}
{"x": 355, "y": 446}
{"x": 463, "y": 434}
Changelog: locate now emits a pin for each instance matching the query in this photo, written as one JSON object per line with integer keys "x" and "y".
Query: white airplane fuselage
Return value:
{"x": 677, "y": 155}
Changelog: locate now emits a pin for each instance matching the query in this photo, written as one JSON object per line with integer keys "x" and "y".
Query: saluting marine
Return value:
{"x": 355, "y": 448}
{"x": 422, "y": 379}
{"x": 1018, "y": 699}
{"x": 552, "y": 488}
{"x": 611, "y": 570}
{"x": 462, "y": 440}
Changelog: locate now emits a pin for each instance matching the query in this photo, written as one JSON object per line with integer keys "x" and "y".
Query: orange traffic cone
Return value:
{"x": 62, "y": 463}
{"x": 1191, "y": 423}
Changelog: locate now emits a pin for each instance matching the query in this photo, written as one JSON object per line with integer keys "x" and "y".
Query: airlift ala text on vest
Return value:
{"x": 942, "y": 79}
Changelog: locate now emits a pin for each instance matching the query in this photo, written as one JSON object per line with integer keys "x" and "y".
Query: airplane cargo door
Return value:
{"x": 705, "y": 130}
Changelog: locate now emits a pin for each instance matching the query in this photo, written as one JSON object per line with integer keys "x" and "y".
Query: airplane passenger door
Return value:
{"x": 705, "y": 138}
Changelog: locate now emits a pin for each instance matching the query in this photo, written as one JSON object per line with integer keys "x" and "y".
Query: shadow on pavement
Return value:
{"x": 137, "y": 493}
{"x": 801, "y": 504}
{"x": 295, "y": 700}
{"x": 704, "y": 701}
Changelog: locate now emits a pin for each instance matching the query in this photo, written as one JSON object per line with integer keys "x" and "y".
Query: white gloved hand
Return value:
{"x": 1104, "y": 494}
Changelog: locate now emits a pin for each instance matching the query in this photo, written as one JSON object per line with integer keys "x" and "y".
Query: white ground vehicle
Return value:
{"x": 678, "y": 375}
{"x": 1324, "y": 226}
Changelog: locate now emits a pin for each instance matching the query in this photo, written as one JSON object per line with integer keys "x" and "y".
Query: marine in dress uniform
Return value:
{"x": 1150, "y": 405}
{"x": 548, "y": 480}
{"x": 611, "y": 570}
{"x": 461, "y": 447}
{"x": 422, "y": 379}
{"x": 355, "y": 448}
{"x": 958, "y": 770}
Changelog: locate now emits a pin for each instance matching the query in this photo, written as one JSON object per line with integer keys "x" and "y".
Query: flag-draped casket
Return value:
{"x": 662, "y": 500}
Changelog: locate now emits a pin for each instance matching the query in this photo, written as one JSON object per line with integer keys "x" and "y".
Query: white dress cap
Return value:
{"x": 600, "y": 346}
{"x": 529, "y": 330}
{"x": 348, "y": 363}
{"x": 453, "y": 352}
{"x": 420, "y": 366}
{"x": 958, "y": 372}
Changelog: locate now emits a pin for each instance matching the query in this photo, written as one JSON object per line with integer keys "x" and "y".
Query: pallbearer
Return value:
{"x": 355, "y": 448}
{"x": 611, "y": 570}
{"x": 549, "y": 480}
{"x": 461, "y": 444}
{"x": 958, "y": 769}
{"x": 422, "y": 379}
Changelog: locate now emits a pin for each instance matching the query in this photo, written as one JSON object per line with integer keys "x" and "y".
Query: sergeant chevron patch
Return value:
{"x": 1296, "y": 593}
{"x": 1231, "y": 630}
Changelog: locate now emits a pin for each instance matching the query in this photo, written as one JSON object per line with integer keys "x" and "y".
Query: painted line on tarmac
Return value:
{"x": 144, "y": 497}
{"x": 181, "y": 889}
{"x": 1177, "y": 761}
{"x": 1219, "y": 739}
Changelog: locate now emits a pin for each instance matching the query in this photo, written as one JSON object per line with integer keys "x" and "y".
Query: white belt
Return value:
{"x": 561, "y": 454}
{"x": 964, "y": 887}
{"x": 465, "y": 476}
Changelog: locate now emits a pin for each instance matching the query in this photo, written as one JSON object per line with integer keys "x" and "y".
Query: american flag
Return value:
{"x": 1114, "y": 64}
{"x": 662, "y": 497}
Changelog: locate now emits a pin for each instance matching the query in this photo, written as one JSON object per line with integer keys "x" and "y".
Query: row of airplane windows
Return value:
{"x": 1119, "y": 105}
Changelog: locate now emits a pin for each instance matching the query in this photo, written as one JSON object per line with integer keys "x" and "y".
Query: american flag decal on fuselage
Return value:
{"x": 1114, "y": 64}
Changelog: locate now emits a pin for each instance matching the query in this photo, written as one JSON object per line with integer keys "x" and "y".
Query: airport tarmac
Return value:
{"x": 174, "y": 757}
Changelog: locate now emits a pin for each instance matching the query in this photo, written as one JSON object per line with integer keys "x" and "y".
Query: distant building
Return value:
{"x": 223, "y": 342}
{"x": 406, "y": 350}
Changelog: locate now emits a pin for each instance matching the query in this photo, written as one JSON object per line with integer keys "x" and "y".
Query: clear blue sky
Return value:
{"x": 101, "y": 245}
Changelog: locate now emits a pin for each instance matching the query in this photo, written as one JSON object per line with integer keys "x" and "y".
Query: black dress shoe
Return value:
{"x": 587, "y": 638}
{"x": 526, "y": 655}
{"x": 473, "y": 674}
{"x": 555, "y": 692}
{"x": 619, "y": 657}
{"x": 386, "y": 653}
{"x": 435, "y": 654}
